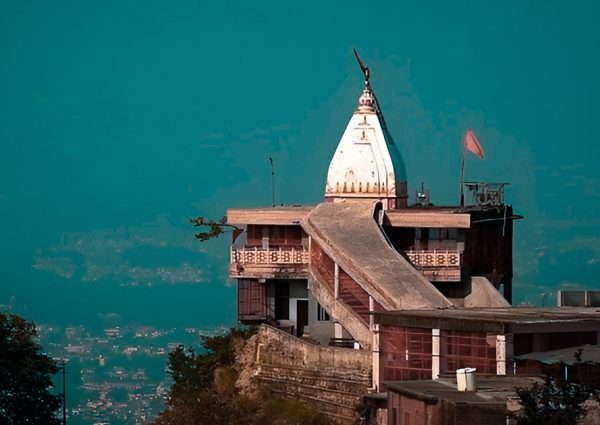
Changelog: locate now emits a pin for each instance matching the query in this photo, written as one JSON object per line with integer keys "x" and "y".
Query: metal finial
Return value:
{"x": 363, "y": 67}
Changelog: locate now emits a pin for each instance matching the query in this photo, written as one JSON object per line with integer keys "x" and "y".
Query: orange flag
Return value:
{"x": 471, "y": 144}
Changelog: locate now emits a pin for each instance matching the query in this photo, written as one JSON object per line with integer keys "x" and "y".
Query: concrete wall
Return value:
{"x": 483, "y": 294}
{"x": 320, "y": 330}
{"x": 405, "y": 409}
{"x": 340, "y": 312}
{"x": 334, "y": 378}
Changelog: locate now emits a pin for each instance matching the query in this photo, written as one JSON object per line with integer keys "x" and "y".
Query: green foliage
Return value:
{"x": 222, "y": 347}
{"x": 193, "y": 372}
{"x": 283, "y": 411}
{"x": 557, "y": 401}
{"x": 209, "y": 408}
{"x": 204, "y": 393}
{"x": 25, "y": 375}
{"x": 190, "y": 372}
{"x": 215, "y": 227}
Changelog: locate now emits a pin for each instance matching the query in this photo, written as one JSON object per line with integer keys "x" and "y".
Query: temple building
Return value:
{"x": 423, "y": 289}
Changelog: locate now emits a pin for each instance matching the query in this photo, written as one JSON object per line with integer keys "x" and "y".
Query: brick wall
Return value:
{"x": 323, "y": 265}
{"x": 354, "y": 296}
{"x": 405, "y": 353}
{"x": 468, "y": 349}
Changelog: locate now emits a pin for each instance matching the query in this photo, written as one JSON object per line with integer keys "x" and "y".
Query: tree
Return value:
{"x": 204, "y": 393}
{"x": 557, "y": 401}
{"x": 193, "y": 372}
{"x": 25, "y": 375}
{"x": 215, "y": 228}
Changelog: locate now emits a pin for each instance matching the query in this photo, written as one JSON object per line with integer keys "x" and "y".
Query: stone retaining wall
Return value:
{"x": 333, "y": 378}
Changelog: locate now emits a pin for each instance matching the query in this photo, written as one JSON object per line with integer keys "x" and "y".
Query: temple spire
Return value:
{"x": 367, "y": 163}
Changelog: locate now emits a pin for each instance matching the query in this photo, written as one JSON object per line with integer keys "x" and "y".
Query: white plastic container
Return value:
{"x": 466, "y": 379}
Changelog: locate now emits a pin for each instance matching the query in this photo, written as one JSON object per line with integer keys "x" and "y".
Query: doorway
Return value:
{"x": 302, "y": 316}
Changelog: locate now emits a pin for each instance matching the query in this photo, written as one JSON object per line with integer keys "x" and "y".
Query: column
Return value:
{"x": 336, "y": 281}
{"x": 435, "y": 353}
{"x": 337, "y": 330}
{"x": 504, "y": 352}
{"x": 376, "y": 377}
{"x": 371, "y": 311}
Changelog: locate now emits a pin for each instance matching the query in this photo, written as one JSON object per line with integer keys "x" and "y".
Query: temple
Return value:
{"x": 422, "y": 289}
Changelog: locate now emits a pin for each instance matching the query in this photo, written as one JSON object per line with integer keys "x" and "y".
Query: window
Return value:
{"x": 322, "y": 314}
{"x": 435, "y": 238}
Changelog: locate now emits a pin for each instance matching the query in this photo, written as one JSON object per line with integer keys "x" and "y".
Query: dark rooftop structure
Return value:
{"x": 440, "y": 402}
{"x": 499, "y": 319}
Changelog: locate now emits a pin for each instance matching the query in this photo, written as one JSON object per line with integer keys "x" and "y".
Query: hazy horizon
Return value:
{"x": 120, "y": 122}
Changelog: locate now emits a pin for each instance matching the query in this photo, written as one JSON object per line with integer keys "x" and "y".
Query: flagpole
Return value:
{"x": 462, "y": 179}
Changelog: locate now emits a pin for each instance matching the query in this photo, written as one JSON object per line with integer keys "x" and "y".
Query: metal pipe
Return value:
{"x": 272, "y": 179}
{"x": 64, "y": 368}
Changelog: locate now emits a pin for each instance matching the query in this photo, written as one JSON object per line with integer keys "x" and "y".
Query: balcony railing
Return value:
{"x": 423, "y": 259}
{"x": 437, "y": 265}
{"x": 270, "y": 256}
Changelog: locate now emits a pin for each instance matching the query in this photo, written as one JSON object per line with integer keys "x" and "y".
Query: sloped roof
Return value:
{"x": 587, "y": 353}
{"x": 348, "y": 233}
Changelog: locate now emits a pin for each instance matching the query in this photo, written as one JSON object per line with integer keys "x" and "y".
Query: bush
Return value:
{"x": 204, "y": 393}
{"x": 557, "y": 401}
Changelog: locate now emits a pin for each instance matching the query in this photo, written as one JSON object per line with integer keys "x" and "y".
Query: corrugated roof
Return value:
{"x": 586, "y": 353}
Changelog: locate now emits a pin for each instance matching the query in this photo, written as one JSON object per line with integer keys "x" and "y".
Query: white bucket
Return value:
{"x": 466, "y": 379}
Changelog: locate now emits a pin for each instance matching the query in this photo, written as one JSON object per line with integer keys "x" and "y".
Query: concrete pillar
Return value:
{"x": 336, "y": 281}
{"x": 435, "y": 353}
{"x": 586, "y": 299}
{"x": 500, "y": 354}
{"x": 337, "y": 330}
{"x": 376, "y": 377}
{"x": 504, "y": 352}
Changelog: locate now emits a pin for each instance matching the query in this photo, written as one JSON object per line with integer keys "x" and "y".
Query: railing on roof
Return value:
{"x": 423, "y": 259}
{"x": 485, "y": 194}
{"x": 270, "y": 256}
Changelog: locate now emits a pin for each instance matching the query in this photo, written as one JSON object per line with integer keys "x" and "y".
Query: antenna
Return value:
{"x": 272, "y": 179}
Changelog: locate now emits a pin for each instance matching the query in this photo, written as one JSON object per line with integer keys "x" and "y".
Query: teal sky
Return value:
{"x": 119, "y": 120}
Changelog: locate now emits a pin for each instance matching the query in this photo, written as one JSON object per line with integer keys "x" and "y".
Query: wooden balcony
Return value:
{"x": 289, "y": 263}
{"x": 437, "y": 265}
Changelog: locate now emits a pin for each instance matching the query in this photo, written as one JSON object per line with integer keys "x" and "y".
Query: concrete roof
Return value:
{"x": 486, "y": 319}
{"x": 349, "y": 234}
{"x": 283, "y": 215}
{"x": 492, "y": 390}
{"x": 412, "y": 216}
{"x": 426, "y": 217}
